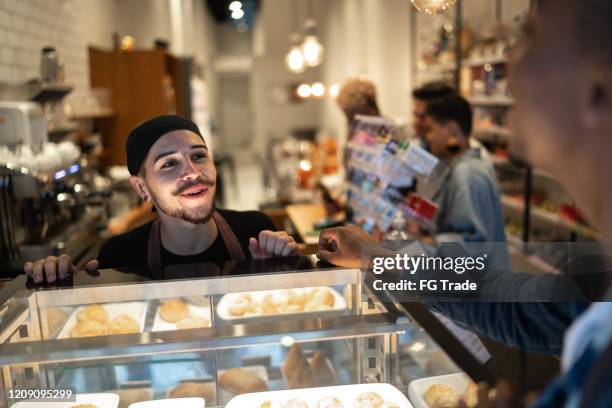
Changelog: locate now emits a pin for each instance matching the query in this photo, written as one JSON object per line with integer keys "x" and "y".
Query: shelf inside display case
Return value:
{"x": 338, "y": 333}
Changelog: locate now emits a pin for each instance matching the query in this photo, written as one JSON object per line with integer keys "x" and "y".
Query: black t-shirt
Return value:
{"x": 130, "y": 249}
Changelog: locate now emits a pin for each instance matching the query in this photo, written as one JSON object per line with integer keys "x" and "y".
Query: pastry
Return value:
{"x": 296, "y": 403}
{"x": 293, "y": 359}
{"x": 296, "y": 298}
{"x": 329, "y": 402}
{"x": 315, "y": 305}
{"x": 322, "y": 372}
{"x": 88, "y": 328}
{"x": 240, "y": 305}
{"x": 240, "y": 381}
{"x": 194, "y": 390}
{"x": 323, "y": 295}
{"x": 173, "y": 310}
{"x": 272, "y": 303}
{"x": 271, "y": 404}
{"x": 288, "y": 308}
{"x": 369, "y": 400}
{"x": 441, "y": 396}
{"x": 93, "y": 312}
{"x": 193, "y": 323}
{"x": 471, "y": 395}
{"x": 123, "y": 324}
{"x": 390, "y": 405}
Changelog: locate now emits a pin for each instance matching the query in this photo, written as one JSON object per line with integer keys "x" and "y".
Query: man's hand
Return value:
{"x": 272, "y": 244}
{"x": 54, "y": 268}
{"x": 342, "y": 246}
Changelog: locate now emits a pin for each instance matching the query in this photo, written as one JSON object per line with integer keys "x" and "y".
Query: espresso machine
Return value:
{"x": 51, "y": 201}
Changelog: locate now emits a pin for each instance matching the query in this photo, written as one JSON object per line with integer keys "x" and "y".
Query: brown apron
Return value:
{"x": 229, "y": 238}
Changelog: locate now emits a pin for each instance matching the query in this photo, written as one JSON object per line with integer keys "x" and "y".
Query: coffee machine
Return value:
{"x": 51, "y": 201}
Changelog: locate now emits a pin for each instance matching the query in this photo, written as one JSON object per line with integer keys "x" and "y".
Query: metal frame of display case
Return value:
{"x": 371, "y": 331}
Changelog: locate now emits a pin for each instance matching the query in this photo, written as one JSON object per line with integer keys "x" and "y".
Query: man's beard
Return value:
{"x": 181, "y": 213}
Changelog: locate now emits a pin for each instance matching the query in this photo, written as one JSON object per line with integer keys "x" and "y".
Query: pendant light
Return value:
{"x": 294, "y": 60}
{"x": 312, "y": 49}
{"x": 433, "y": 6}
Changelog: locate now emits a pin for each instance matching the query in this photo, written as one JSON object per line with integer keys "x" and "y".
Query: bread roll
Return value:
{"x": 369, "y": 400}
{"x": 194, "y": 390}
{"x": 240, "y": 381}
{"x": 240, "y": 305}
{"x": 322, "y": 372}
{"x": 89, "y": 328}
{"x": 441, "y": 396}
{"x": 271, "y": 404}
{"x": 193, "y": 323}
{"x": 173, "y": 310}
{"x": 93, "y": 312}
{"x": 296, "y": 403}
{"x": 123, "y": 324}
{"x": 329, "y": 402}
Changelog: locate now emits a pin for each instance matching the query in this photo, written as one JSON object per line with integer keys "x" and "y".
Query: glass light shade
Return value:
{"x": 295, "y": 60}
{"x": 433, "y": 6}
{"x": 312, "y": 50}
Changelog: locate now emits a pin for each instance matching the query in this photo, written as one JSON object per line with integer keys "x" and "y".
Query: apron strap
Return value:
{"x": 227, "y": 235}
{"x": 229, "y": 238}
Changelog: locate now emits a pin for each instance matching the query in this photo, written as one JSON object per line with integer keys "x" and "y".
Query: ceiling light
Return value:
{"x": 237, "y": 14}
{"x": 304, "y": 91}
{"x": 433, "y": 6}
{"x": 235, "y": 5}
{"x": 318, "y": 89}
{"x": 295, "y": 60}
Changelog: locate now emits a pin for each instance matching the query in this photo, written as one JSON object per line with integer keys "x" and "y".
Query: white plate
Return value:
{"x": 102, "y": 400}
{"x": 160, "y": 324}
{"x": 137, "y": 310}
{"x": 345, "y": 393}
{"x": 171, "y": 403}
{"x": 418, "y": 388}
{"x": 227, "y": 300}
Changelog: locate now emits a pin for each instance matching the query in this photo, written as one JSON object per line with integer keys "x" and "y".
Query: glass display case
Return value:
{"x": 216, "y": 335}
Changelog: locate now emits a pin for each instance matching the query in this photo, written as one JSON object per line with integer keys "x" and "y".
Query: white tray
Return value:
{"x": 102, "y": 400}
{"x": 160, "y": 324}
{"x": 345, "y": 393}
{"x": 171, "y": 403}
{"x": 418, "y": 388}
{"x": 137, "y": 310}
{"x": 227, "y": 300}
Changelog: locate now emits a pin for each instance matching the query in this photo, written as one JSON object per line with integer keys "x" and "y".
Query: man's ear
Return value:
{"x": 140, "y": 187}
{"x": 455, "y": 134}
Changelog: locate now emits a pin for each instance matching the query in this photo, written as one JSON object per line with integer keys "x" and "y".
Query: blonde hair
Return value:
{"x": 357, "y": 96}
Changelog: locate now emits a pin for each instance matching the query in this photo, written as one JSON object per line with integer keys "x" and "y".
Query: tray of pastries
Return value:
{"x": 243, "y": 306}
{"x": 176, "y": 314}
{"x": 98, "y": 400}
{"x": 105, "y": 319}
{"x": 443, "y": 391}
{"x": 343, "y": 396}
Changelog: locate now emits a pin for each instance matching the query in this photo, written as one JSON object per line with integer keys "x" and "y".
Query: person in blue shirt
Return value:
{"x": 561, "y": 79}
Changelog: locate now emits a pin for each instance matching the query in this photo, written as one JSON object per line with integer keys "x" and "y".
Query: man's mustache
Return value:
{"x": 192, "y": 183}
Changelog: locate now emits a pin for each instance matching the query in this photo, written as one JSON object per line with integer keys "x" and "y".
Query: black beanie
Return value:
{"x": 143, "y": 136}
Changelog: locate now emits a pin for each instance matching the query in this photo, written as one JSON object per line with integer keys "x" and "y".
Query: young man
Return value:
{"x": 562, "y": 83}
{"x": 467, "y": 192}
{"x": 171, "y": 167}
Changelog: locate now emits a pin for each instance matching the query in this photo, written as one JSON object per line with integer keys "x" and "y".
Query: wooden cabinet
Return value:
{"x": 143, "y": 85}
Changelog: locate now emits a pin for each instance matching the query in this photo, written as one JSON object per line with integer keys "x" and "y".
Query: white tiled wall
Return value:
{"x": 26, "y": 26}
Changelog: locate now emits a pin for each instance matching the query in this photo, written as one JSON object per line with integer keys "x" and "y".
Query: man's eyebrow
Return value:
{"x": 168, "y": 153}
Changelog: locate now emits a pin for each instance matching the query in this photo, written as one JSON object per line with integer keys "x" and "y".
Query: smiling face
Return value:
{"x": 179, "y": 176}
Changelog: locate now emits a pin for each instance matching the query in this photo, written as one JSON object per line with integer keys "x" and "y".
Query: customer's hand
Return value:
{"x": 272, "y": 244}
{"x": 342, "y": 246}
{"x": 54, "y": 268}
